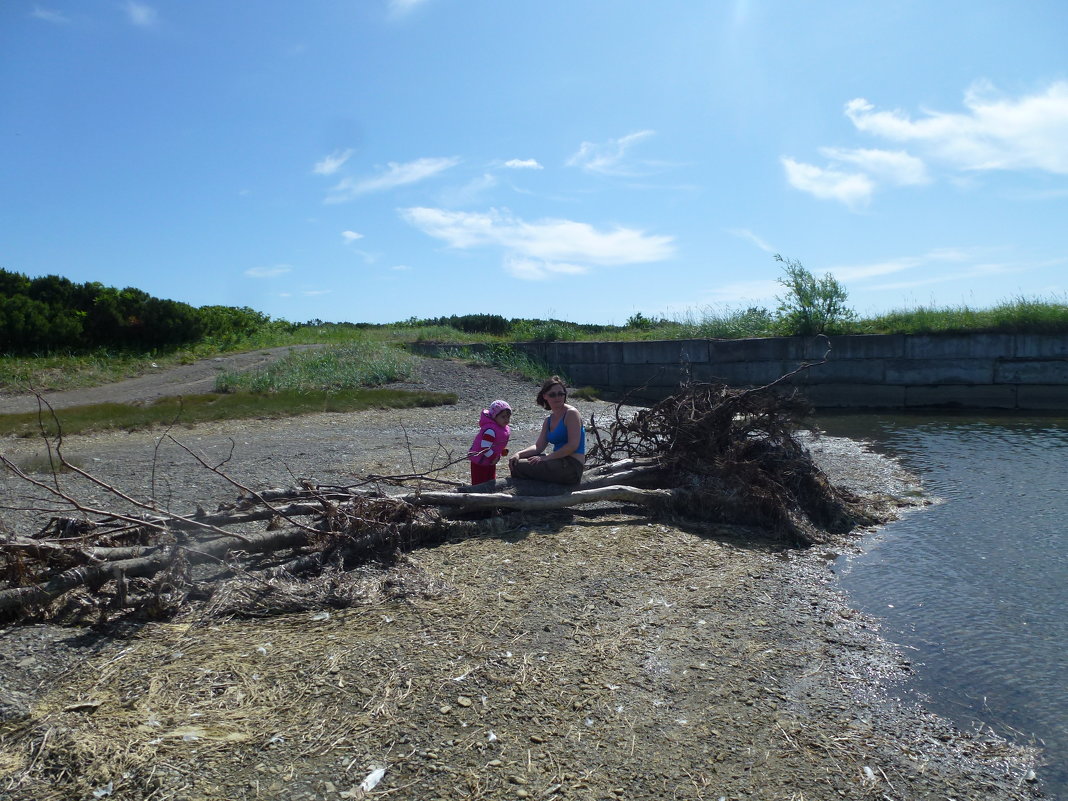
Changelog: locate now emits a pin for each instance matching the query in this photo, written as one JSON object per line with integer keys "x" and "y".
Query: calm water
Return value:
{"x": 976, "y": 588}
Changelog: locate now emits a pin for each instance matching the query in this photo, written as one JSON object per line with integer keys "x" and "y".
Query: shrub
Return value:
{"x": 811, "y": 305}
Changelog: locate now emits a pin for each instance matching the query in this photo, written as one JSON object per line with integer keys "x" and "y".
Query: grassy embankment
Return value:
{"x": 349, "y": 373}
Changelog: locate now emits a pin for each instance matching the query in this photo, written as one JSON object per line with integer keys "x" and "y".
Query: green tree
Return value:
{"x": 811, "y": 305}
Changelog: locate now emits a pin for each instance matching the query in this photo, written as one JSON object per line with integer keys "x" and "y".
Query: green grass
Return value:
{"x": 504, "y": 357}
{"x": 352, "y": 365}
{"x": 209, "y": 407}
{"x": 1017, "y": 316}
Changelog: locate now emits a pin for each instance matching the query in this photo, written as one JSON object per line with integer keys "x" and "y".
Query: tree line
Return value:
{"x": 52, "y": 313}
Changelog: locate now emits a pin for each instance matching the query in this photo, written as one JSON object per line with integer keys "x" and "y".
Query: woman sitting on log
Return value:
{"x": 564, "y": 430}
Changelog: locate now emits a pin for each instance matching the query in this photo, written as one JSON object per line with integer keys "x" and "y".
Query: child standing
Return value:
{"x": 491, "y": 442}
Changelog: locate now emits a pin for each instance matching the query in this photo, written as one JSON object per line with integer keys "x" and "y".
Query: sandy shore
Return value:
{"x": 584, "y": 654}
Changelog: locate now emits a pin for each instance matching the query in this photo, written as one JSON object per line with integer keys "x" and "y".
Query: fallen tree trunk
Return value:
{"x": 502, "y": 500}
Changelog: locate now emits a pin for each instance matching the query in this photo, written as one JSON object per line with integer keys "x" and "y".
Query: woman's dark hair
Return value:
{"x": 549, "y": 383}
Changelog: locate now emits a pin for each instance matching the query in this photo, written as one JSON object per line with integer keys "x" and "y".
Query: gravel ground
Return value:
{"x": 588, "y": 654}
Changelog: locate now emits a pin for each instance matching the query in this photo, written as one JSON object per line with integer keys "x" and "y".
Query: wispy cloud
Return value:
{"x": 401, "y": 7}
{"x": 268, "y": 272}
{"x": 852, "y": 188}
{"x": 144, "y": 16}
{"x": 333, "y": 162}
{"x": 351, "y": 236}
{"x": 49, "y": 15}
{"x": 969, "y": 273}
{"x": 395, "y": 175}
{"x": 890, "y": 166}
{"x": 995, "y": 132}
{"x": 470, "y": 193}
{"x": 608, "y": 158}
{"x": 744, "y": 292}
{"x": 937, "y": 266}
{"x": 745, "y": 233}
{"x": 523, "y": 164}
{"x": 932, "y": 259}
{"x": 539, "y": 249}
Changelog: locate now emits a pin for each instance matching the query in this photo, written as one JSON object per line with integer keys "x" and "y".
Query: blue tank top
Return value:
{"x": 557, "y": 437}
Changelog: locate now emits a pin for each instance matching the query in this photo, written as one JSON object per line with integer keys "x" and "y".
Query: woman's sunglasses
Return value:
{"x": 557, "y": 394}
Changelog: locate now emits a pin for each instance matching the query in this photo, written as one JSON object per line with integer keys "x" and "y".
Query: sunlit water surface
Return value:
{"x": 976, "y": 588}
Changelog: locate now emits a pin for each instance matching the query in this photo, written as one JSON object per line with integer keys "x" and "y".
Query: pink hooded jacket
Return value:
{"x": 492, "y": 438}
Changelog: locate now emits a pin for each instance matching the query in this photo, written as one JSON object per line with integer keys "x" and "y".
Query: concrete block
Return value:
{"x": 535, "y": 350}
{"x": 860, "y": 371}
{"x": 1039, "y": 346}
{"x": 756, "y": 350}
{"x": 1032, "y": 371}
{"x": 629, "y": 376}
{"x": 939, "y": 371}
{"x": 865, "y": 346}
{"x": 740, "y": 374}
{"x": 588, "y": 375}
{"x": 1000, "y": 396}
{"x": 959, "y": 346}
{"x": 1044, "y": 398}
{"x": 666, "y": 352}
{"x": 854, "y": 396}
{"x": 584, "y": 352}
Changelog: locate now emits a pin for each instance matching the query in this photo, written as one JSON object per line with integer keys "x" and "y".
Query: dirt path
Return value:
{"x": 186, "y": 379}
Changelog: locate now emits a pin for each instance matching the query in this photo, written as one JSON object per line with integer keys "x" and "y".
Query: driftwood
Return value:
{"x": 709, "y": 453}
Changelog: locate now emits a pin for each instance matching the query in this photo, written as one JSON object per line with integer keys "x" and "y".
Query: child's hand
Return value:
{"x": 504, "y": 452}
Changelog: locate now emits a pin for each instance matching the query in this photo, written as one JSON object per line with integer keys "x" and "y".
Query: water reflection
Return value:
{"x": 977, "y": 585}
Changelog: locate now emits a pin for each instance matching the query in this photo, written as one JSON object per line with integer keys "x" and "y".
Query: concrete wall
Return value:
{"x": 990, "y": 371}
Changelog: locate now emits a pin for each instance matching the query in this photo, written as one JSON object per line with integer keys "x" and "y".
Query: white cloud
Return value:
{"x": 333, "y": 162}
{"x": 268, "y": 272}
{"x": 852, "y": 188}
{"x": 893, "y": 166}
{"x": 313, "y": 292}
{"x": 607, "y": 158}
{"x": 745, "y": 233}
{"x": 523, "y": 164}
{"x": 394, "y": 176}
{"x": 534, "y": 250}
{"x": 141, "y": 15}
{"x": 49, "y": 15}
{"x": 995, "y": 132}
{"x": 351, "y": 236}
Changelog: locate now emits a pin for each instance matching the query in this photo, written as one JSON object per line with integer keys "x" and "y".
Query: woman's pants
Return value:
{"x": 558, "y": 471}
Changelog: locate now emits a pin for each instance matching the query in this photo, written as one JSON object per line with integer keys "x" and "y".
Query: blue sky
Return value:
{"x": 374, "y": 160}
